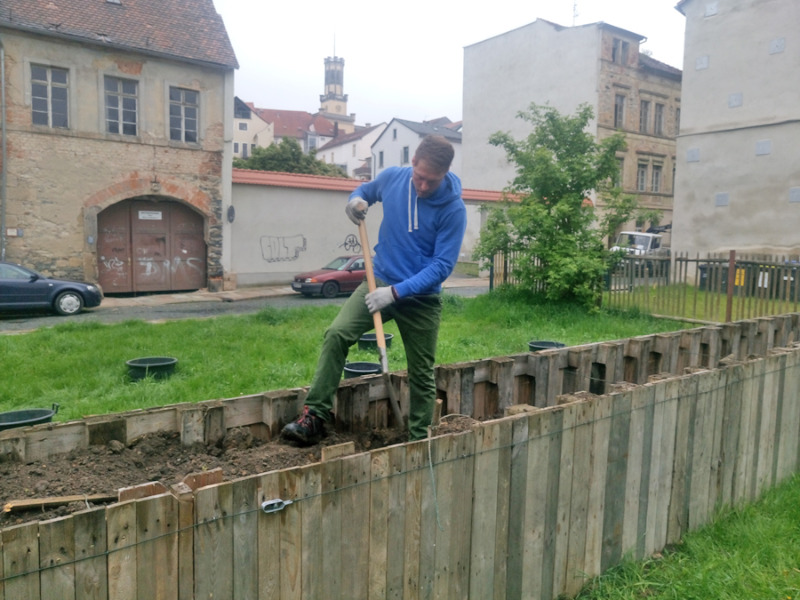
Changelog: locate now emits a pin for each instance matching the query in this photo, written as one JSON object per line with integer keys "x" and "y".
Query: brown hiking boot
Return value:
{"x": 308, "y": 429}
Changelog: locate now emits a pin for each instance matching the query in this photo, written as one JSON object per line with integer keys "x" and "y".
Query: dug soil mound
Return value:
{"x": 103, "y": 470}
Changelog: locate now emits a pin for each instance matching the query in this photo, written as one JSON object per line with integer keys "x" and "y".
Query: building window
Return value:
{"x": 619, "y": 111}
{"x": 49, "y": 98}
{"x": 252, "y": 148}
{"x": 677, "y": 121}
{"x": 236, "y": 147}
{"x": 121, "y": 105}
{"x": 618, "y": 177}
{"x": 183, "y": 113}
{"x": 312, "y": 142}
{"x": 354, "y": 151}
{"x": 380, "y": 159}
{"x": 641, "y": 177}
{"x": 244, "y": 151}
{"x": 242, "y": 126}
{"x": 405, "y": 155}
{"x": 658, "y": 120}
{"x": 644, "y": 115}
{"x": 656, "y": 178}
{"x": 619, "y": 52}
{"x": 394, "y": 134}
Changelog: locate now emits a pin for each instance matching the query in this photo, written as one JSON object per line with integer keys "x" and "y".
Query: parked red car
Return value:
{"x": 341, "y": 275}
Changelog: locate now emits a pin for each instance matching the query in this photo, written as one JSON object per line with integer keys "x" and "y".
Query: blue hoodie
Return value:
{"x": 420, "y": 238}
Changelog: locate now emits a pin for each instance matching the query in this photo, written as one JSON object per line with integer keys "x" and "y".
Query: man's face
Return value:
{"x": 425, "y": 178}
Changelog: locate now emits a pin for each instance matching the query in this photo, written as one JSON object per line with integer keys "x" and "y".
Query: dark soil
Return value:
{"x": 161, "y": 457}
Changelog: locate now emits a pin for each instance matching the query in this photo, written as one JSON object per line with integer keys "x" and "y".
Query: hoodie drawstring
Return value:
{"x": 416, "y": 211}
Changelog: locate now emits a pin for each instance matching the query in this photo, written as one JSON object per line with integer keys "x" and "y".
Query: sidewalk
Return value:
{"x": 250, "y": 293}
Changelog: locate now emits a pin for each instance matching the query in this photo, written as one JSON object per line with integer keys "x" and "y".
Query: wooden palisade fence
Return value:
{"x": 607, "y": 450}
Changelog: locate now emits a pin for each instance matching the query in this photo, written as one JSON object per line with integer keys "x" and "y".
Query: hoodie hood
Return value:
{"x": 448, "y": 191}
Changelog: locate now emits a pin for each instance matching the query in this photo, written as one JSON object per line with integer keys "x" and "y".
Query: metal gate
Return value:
{"x": 148, "y": 246}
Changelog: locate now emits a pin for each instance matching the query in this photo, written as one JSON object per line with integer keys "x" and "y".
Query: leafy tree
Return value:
{"x": 551, "y": 228}
{"x": 287, "y": 157}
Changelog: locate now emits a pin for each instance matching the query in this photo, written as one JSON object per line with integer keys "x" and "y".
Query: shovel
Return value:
{"x": 378, "y": 321}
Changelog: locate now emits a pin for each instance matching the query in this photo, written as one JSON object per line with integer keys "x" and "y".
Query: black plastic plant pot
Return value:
{"x": 369, "y": 341}
{"x": 357, "y": 369}
{"x": 158, "y": 367}
{"x": 537, "y": 345}
{"x": 26, "y": 418}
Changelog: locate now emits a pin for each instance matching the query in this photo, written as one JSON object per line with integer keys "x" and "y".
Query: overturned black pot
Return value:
{"x": 26, "y": 418}
{"x": 357, "y": 369}
{"x": 158, "y": 367}
{"x": 537, "y": 345}
{"x": 369, "y": 341}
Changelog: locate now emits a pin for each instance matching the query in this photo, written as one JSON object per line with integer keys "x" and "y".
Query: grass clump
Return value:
{"x": 747, "y": 553}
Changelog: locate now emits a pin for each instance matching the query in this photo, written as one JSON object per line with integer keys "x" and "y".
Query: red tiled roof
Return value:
{"x": 184, "y": 29}
{"x": 293, "y": 123}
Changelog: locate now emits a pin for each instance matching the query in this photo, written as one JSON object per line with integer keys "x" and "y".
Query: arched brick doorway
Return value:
{"x": 146, "y": 245}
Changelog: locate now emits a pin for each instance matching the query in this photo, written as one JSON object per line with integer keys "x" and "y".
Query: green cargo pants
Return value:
{"x": 417, "y": 319}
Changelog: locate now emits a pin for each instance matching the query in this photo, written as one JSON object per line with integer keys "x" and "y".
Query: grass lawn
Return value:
{"x": 82, "y": 367}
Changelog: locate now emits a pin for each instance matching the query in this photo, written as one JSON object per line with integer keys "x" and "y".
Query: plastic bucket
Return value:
{"x": 26, "y": 418}
{"x": 159, "y": 367}
{"x": 357, "y": 369}
{"x": 537, "y": 345}
{"x": 369, "y": 341}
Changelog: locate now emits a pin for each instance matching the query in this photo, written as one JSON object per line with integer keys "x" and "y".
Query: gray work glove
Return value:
{"x": 380, "y": 299}
{"x": 356, "y": 209}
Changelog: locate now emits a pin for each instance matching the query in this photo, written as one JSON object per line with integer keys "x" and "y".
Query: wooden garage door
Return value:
{"x": 146, "y": 246}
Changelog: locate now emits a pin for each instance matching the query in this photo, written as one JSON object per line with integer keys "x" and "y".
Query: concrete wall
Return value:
{"x": 299, "y": 224}
{"x": 738, "y": 184}
{"x": 539, "y": 62}
{"x": 60, "y": 179}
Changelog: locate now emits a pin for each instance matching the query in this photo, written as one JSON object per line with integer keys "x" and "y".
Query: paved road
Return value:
{"x": 196, "y": 305}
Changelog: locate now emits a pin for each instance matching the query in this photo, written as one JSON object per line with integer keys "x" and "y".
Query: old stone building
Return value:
{"x": 117, "y": 131}
{"x": 596, "y": 64}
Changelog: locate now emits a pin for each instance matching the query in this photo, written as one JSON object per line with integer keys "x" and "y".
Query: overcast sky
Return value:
{"x": 403, "y": 59}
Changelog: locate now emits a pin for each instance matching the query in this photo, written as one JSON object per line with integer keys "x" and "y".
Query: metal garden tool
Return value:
{"x": 378, "y": 321}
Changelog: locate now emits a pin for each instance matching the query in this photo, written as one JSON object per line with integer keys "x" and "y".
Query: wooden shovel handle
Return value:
{"x": 376, "y": 317}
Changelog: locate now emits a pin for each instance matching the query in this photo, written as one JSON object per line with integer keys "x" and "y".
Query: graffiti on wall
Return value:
{"x": 351, "y": 244}
{"x": 277, "y": 248}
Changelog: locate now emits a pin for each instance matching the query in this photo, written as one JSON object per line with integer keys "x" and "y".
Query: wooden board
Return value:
{"x": 213, "y": 542}
{"x": 21, "y": 562}
{"x": 57, "y": 558}
{"x": 156, "y": 549}
{"x": 244, "y": 517}
{"x": 122, "y": 558}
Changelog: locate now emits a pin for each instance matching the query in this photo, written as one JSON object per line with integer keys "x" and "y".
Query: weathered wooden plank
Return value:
{"x": 416, "y": 470}
{"x": 243, "y": 410}
{"x": 502, "y": 376}
{"x": 789, "y": 418}
{"x": 57, "y": 558}
{"x": 313, "y": 586}
{"x": 701, "y": 451}
{"x": 463, "y": 473}
{"x": 157, "y": 543}
{"x": 563, "y": 501}
{"x": 731, "y": 429}
{"x": 142, "y": 422}
{"x": 596, "y": 484}
{"x": 91, "y": 574}
{"x": 717, "y": 412}
{"x": 443, "y": 467}
{"x": 245, "y": 537}
{"x": 637, "y": 470}
{"x": 185, "y": 496}
{"x": 332, "y": 569}
{"x": 768, "y": 430}
{"x": 616, "y": 474}
{"x": 748, "y": 450}
{"x": 552, "y": 433}
{"x": 397, "y": 522}
{"x": 378, "y": 522}
{"x": 355, "y": 526}
{"x": 269, "y": 540}
{"x": 213, "y": 542}
{"x": 44, "y": 441}
{"x": 122, "y": 558}
{"x": 662, "y": 448}
{"x": 681, "y": 475}
{"x": 21, "y": 562}
{"x": 520, "y": 524}
{"x": 490, "y": 474}
{"x": 291, "y": 535}
{"x": 579, "y": 501}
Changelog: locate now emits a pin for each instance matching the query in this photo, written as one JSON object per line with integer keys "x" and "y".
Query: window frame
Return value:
{"x": 658, "y": 119}
{"x": 644, "y": 116}
{"x": 619, "y": 111}
{"x": 641, "y": 176}
{"x": 185, "y": 106}
{"x": 656, "y": 178}
{"x": 50, "y": 86}
{"x": 120, "y": 94}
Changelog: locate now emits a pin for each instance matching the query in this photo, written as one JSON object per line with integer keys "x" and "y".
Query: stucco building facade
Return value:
{"x": 738, "y": 181}
{"x": 118, "y": 130}
{"x": 596, "y": 64}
